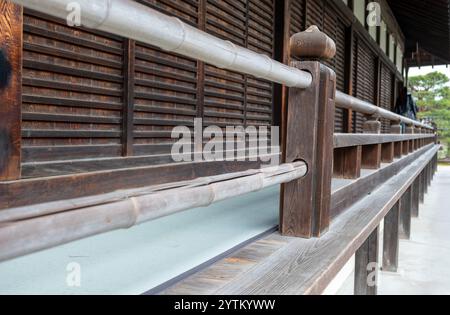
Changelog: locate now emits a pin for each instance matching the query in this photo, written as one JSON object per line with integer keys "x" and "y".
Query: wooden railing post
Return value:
{"x": 405, "y": 215}
{"x": 11, "y": 25}
{"x": 308, "y": 136}
{"x": 366, "y": 267}
{"x": 396, "y": 128}
{"x": 410, "y": 131}
{"x": 391, "y": 239}
{"x": 371, "y": 154}
{"x": 415, "y": 198}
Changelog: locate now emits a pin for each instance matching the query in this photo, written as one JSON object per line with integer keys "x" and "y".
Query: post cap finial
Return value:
{"x": 312, "y": 43}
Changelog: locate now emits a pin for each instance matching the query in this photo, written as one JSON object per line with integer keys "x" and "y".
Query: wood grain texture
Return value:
{"x": 347, "y": 195}
{"x": 128, "y": 91}
{"x": 398, "y": 149}
{"x": 350, "y": 140}
{"x": 10, "y": 89}
{"x": 371, "y": 156}
{"x": 366, "y": 265}
{"x": 391, "y": 240}
{"x": 415, "y": 198}
{"x": 387, "y": 152}
{"x": 405, "y": 215}
{"x": 305, "y": 203}
{"x": 347, "y": 162}
{"x": 303, "y": 266}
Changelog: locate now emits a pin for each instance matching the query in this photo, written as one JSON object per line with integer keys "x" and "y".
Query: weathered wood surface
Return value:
{"x": 284, "y": 265}
{"x": 305, "y": 203}
{"x": 349, "y": 140}
{"x": 406, "y": 215}
{"x": 10, "y": 89}
{"x": 388, "y": 152}
{"x": 366, "y": 265}
{"x": 41, "y": 190}
{"x": 415, "y": 198}
{"x": 347, "y": 162}
{"x": 391, "y": 240}
{"x": 128, "y": 104}
{"x": 371, "y": 156}
{"x": 349, "y": 194}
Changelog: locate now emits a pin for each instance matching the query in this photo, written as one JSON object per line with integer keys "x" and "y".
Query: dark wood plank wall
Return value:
{"x": 326, "y": 15}
{"x": 89, "y": 95}
{"x": 72, "y": 91}
{"x": 364, "y": 79}
{"x": 75, "y": 84}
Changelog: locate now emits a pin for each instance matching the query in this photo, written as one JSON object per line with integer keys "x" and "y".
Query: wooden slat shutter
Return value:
{"x": 72, "y": 91}
{"x": 335, "y": 29}
{"x": 315, "y": 13}
{"x": 386, "y": 95}
{"x": 166, "y": 87}
{"x": 81, "y": 74}
{"x": 297, "y": 16}
{"x": 364, "y": 79}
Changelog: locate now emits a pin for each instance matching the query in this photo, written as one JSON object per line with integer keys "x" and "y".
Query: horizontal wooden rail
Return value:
{"x": 349, "y": 102}
{"x": 342, "y": 140}
{"x": 292, "y": 266}
{"x": 146, "y": 25}
{"x": 30, "y": 229}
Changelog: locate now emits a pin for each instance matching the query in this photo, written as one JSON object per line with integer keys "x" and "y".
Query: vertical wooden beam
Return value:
{"x": 348, "y": 75}
{"x": 11, "y": 25}
{"x": 415, "y": 198}
{"x": 410, "y": 131}
{"x": 378, "y": 81}
{"x": 422, "y": 187}
{"x": 305, "y": 203}
{"x": 366, "y": 271}
{"x": 387, "y": 152}
{"x": 198, "y": 146}
{"x": 347, "y": 162}
{"x": 371, "y": 154}
{"x": 405, "y": 215}
{"x": 391, "y": 239}
{"x": 371, "y": 157}
{"x": 128, "y": 98}
{"x": 398, "y": 150}
{"x": 405, "y": 148}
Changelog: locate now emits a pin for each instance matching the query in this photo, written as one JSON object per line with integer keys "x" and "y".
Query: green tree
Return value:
{"x": 433, "y": 97}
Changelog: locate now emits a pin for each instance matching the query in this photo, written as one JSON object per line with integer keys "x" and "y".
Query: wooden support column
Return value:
{"x": 366, "y": 268}
{"x": 391, "y": 239}
{"x": 405, "y": 148}
{"x": 388, "y": 152}
{"x": 405, "y": 215}
{"x": 417, "y": 141}
{"x": 398, "y": 146}
{"x": 430, "y": 171}
{"x": 305, "y": 203}
{"x": 348, "y": 75}
{"x": 11, "y": 25}
{"x": 415, "y": 198}
{"x": 410, "y": 131}
{"x": 371, "y": 154}
{"x": 422, "y": 187}
{"x": 347, "y": 162}
{"x": 128, "y": 103}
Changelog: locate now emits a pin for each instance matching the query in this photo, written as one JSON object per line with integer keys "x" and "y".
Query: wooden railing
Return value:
{"x": 344, "y": 185}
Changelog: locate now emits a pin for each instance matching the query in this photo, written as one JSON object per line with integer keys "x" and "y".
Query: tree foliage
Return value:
{"x": 433, "y": 97}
